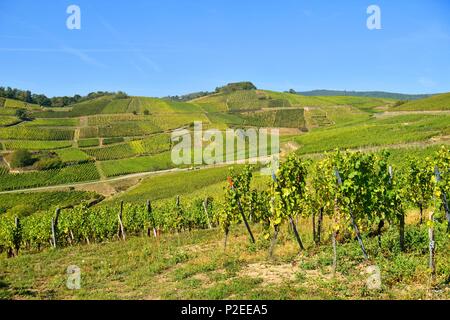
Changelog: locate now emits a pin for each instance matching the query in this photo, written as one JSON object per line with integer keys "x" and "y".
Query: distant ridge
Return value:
{"x": 371, "y": 94}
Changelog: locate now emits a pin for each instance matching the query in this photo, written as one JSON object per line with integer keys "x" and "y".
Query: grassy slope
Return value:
{"x": 438, "y": 102}
{"x": 193, "y": 266}
{"x": 394, "y": 130}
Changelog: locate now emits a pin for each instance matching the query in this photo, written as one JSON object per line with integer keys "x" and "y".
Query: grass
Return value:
{"x": 57, "y": 122}
{"x": 395, "y": 130}
{"x": 173, "y": 184}
{"x": 433, "y": 103}
{"x": 86, "y": 143}
{"x": 194, "y": 266}
{"x": 8, "y": 121}
{"x": 112, "y": 168}
{"x": 72, "y": 155}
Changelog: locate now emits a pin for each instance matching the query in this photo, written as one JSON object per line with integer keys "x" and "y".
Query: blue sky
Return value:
{"x": 157, "y": 48}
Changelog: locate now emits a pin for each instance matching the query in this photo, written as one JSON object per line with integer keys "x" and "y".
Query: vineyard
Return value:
{"x": 36, "y": 145}
{"x": 112, "y": 168}
{"x": 70, "y": 174}
{"x": 86, "y": 143}
{"x": 359, "y": 194}
{"x": 333, "y": 217}
{"x": 320, "y": 215}
{"x": 149, "y": 145}
{"x": 26, "y": 133}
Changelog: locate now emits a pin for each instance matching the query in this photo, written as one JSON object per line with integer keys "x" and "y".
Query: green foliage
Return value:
{"x": 112, "y": 168}
{"x": 6, "y": 121}
{"x": 107, "y": 141}
{"x": 86, "y": 143}
{"x": 21, "y": 158}
{"x": 436, "y": 102}
{"x": 27, "y": 133}
{"x": 41, "y": 201}
{"x": 238, "y": 198}
{"x": 36, "y": 144}
{"x": 419, "y": 183}
{"x": 48, "y": 163}
{"x": 288, "y": 189}
{"x": 56, "y": 122}
{"x": 72, "y": 155}
{"x": 82, "y": 224}
{"x": 22, "y": 114}
{"x": 70, "y": 174}
{"x": 237, "y": 86}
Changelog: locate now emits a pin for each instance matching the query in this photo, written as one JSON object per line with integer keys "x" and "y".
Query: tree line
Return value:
{"x": 42, "y": 100}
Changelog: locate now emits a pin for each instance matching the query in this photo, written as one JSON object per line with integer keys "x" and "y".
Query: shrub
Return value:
{"x": 48, "y": 164}
{"x": 22, "y": 114}
{"x": 21, "y": 158}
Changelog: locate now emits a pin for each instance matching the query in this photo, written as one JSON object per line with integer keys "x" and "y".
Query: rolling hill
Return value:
{"x": 92, "y": 156}
{"x": 434, "y": 103}
{"x": 371, "y": 94}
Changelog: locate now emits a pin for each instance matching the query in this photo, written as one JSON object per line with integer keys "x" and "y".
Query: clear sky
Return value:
{"x": 168, "y": 47}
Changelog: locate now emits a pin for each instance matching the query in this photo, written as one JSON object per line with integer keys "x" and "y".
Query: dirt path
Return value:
{"x": 417, "y": 144}
{"x": 129, "y": 176}
{"x": 400, "y": 113}
{"x": 290, "y": 146}
{"x": 79, "y": 184}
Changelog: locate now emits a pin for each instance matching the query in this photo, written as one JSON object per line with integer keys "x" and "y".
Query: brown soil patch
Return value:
{"x": 271, "y": 274}
{"x": 105, "y": 189}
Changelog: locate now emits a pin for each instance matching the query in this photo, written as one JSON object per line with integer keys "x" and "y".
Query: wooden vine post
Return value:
{"x": 17, "y": 239}
{"x": 352, "y": 219}
{"x": 432, "y": 247}
{"x": 121, "y": 231}
{"x": 55, "y": 227}
{"x": 245, "y": 220}
{"x": 151, "y": 219}
{"x": 205, "y": 208}
{"x": 334, "y": 237}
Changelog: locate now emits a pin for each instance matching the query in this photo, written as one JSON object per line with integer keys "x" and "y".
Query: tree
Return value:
{"x": 21, "y": 158}
{"x": 22, "y": 114}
